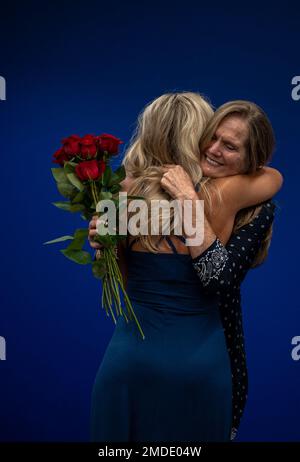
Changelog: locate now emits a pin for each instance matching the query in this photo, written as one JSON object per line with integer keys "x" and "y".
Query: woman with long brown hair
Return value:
{"x": 252, "y": 230}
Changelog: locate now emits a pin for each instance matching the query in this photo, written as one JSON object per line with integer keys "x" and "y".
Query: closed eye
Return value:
{"x": 230, "y": 147}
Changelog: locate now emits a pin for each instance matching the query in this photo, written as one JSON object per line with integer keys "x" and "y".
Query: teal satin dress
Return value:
{"x": 176, "y": 384}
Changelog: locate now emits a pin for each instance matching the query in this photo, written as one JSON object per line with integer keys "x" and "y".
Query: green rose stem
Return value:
{"x": 106, "y": 296}
{"x": 119, "y": 278}
{"x": 113, "y": 280}
{"x": 103, "y": 300}
{"x": 108, "y": 303}
{"x": 107, "y": 292}
{"x": 94, "y": 193}
{"x": 110, "y": 290}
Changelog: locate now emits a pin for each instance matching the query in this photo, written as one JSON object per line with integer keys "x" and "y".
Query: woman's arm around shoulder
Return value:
{"x": 241, "y": 191}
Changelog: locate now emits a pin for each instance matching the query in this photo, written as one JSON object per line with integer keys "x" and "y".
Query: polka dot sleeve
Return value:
{"x": 221, "y": 267}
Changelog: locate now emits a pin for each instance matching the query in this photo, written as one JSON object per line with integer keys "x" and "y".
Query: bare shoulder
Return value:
{"x": 228, "y": 181}
{"x": 217, "y": 190}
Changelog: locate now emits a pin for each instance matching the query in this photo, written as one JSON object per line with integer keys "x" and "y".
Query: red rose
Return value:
{"x": 101, "y": 166}
{"x": 88, "y": 146}
{"x": 59, "y": 156}
{"x": 109, "y": 143}
{"x": 71, "y": 145}
{"x": 90, "y": 169}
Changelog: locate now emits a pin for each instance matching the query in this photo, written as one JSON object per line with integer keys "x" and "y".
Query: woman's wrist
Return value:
{"x": 192, "y": 214}
{"x": 190, "y": 196}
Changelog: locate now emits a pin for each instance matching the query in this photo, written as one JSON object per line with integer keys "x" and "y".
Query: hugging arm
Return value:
{"x": 241, "y": 191}
{"x": 236, "y": 192}
{"x": 220, "y": 267}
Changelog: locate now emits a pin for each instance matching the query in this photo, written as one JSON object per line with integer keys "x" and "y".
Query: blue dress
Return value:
{"x": 176, "y": 384}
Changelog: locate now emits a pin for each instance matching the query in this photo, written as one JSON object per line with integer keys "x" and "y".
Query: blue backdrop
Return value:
{"x": 90, "y": 67}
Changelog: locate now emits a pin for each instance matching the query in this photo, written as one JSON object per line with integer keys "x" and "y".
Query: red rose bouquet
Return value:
{"x": 85, "y": 178}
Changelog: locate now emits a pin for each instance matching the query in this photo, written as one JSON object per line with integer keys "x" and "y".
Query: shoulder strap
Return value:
{"x": 129, "y": 246}
{"x": 169, "y": 241}
{"x": 181, "y": 238}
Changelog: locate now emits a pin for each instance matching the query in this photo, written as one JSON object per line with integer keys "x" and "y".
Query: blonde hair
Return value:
{"x": 168, "y": 131}
{"x": 259, "y": 149}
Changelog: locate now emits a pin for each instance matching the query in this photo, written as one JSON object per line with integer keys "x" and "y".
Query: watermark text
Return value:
{"x": 2, "y": 88}
{"x": 2, "y": 349}
{"x": 296, "y": 88}
{"x": 160, "y": 217}
{"x": 295, "y": 353}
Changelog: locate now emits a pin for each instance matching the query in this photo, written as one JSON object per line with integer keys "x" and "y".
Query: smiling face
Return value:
{"x": 226, "y": 153}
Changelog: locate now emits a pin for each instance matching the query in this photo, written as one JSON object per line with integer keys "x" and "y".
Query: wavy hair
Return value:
{"x": 260, "y": 146}
{"x": 168, "y": 131}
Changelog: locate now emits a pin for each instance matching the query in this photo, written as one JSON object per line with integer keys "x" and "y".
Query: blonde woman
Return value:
{"x": 176, "y": 385}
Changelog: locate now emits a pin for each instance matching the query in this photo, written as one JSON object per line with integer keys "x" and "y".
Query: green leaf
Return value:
{"x": 69, "y": 167}
{"x": 79, "y": 197}
{"x": 106, "y": 176}
{"x": 114, "y": 179}
{"x": 105, "y": 195}
{"x": 76, "y": 244}
{"x": 115, "y": 188}
{"x": 99, "y": 269}
{"x": 68, "y": 207}
{"x": 59, "y": 239}
{"x": 66, "y": 189}
{"x": 77, "y": 208}
{"x": 62, "y": 205}
{"x": 120, "y": 172}
{"x": 80, "y": 236}
{"x": 81, "y": 233}
{"x": 59, "y": 175}
{"x": 78, "y": 256}
{"x": 75, "y": 181}
{"x": 106, "y": 240}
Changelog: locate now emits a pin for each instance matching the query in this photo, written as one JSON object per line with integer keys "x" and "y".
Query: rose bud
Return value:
{"x": 71, "y": 145}
{"x": 109, "y": 143}
{"x": 88, "y": 146}
{"x": 59, "y": 157}
{"x": 90, "y": 170}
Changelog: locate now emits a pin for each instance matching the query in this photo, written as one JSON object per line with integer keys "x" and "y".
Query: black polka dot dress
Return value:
{"x": 221, "y": 270}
